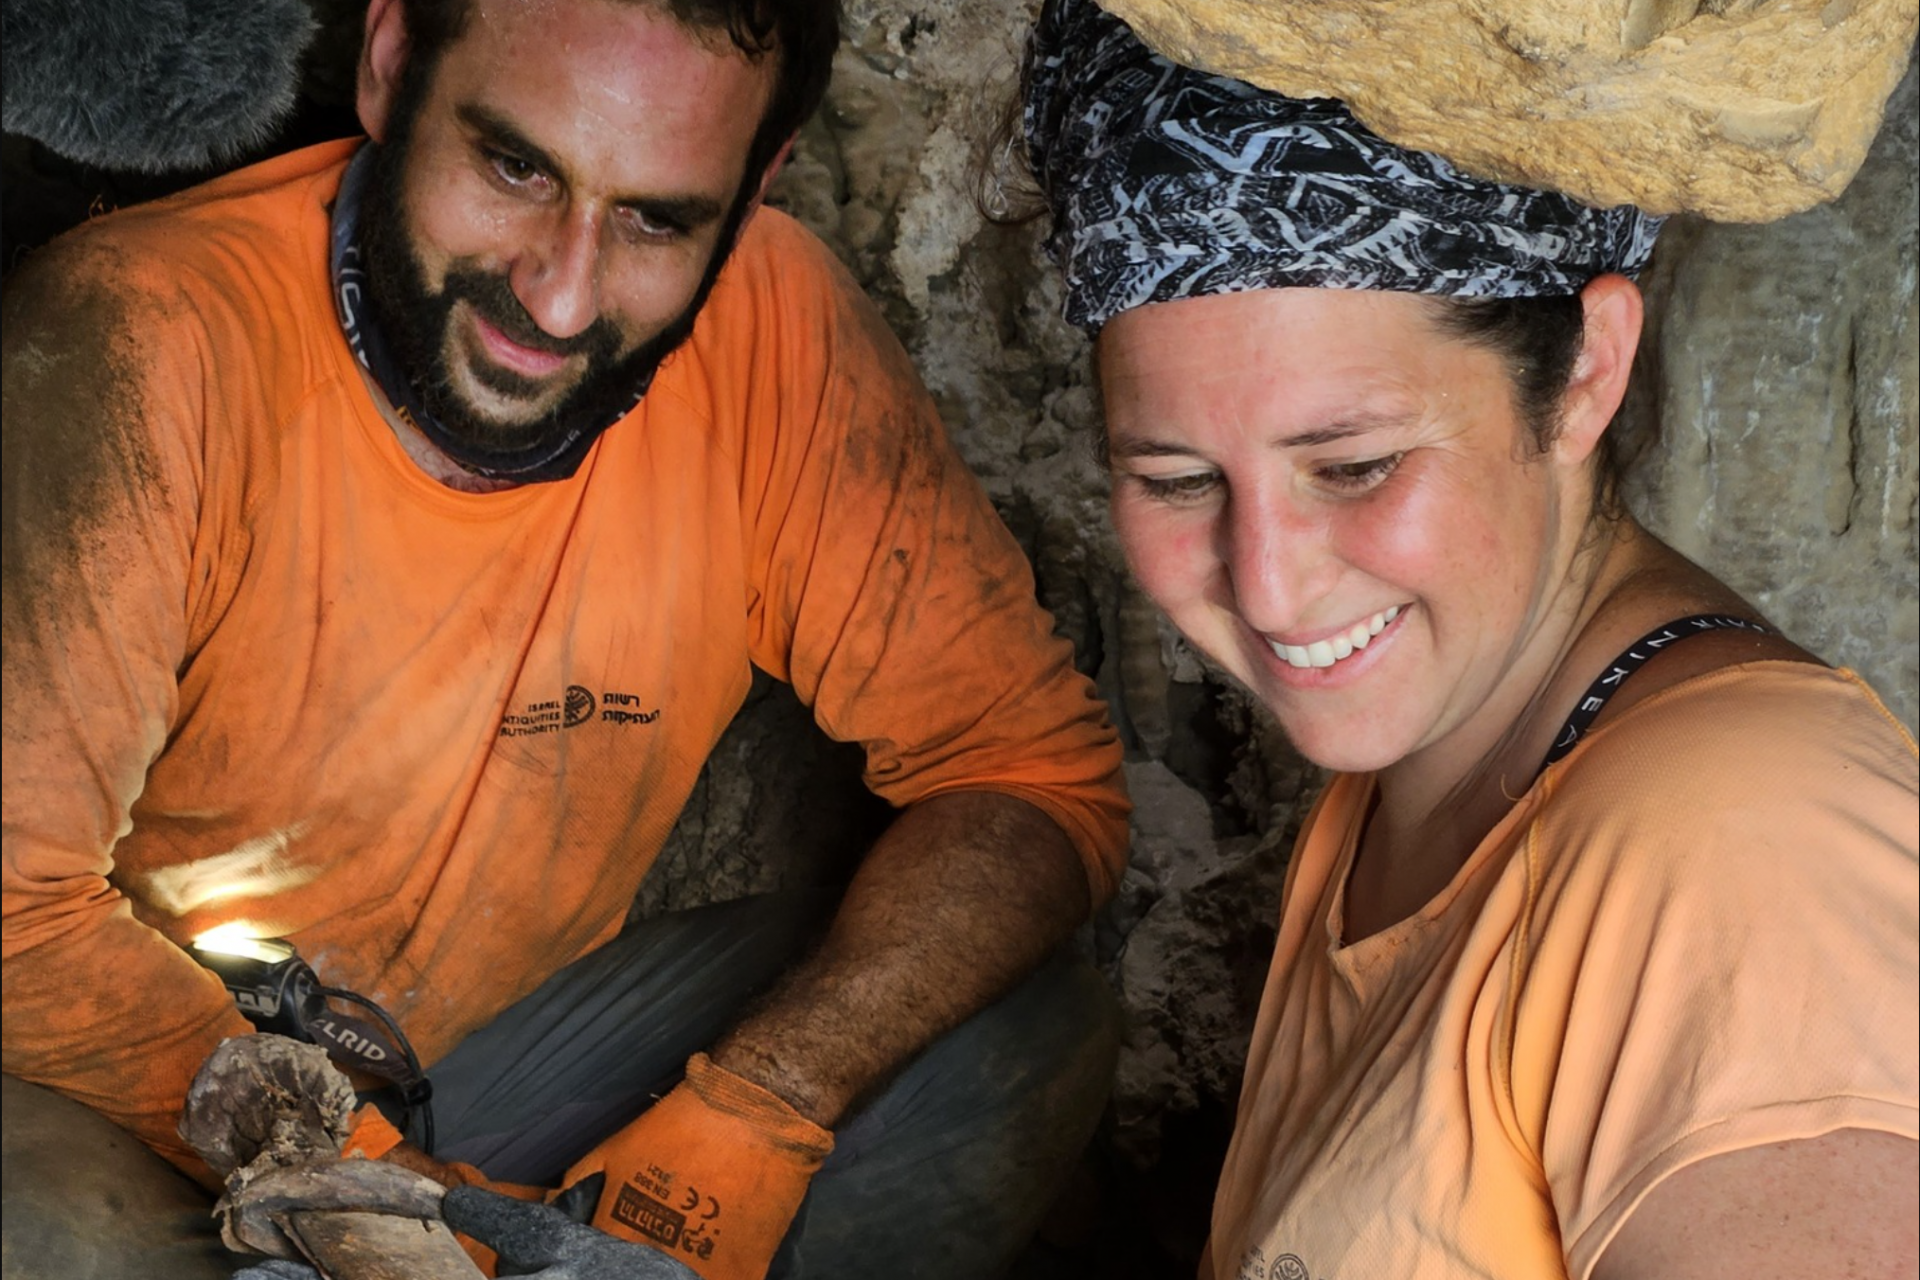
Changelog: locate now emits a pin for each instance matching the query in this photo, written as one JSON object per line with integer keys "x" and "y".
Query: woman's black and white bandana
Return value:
{"x": 1166, "y": 182}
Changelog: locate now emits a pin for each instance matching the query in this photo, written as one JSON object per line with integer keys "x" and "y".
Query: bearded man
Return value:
{"x": 391, "y": 530}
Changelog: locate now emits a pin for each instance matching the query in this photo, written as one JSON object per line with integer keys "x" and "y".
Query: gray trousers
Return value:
{"x": 944, "y": 1173}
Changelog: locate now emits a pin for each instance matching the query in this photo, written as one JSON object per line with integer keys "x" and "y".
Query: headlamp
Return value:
{"x": 279, "y": 992}
{"x": 270, "y": 983}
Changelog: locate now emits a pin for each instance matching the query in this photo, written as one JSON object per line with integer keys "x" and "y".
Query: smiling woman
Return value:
{"x": 1608, "y": 867}
{"x": 1283, "y": 484}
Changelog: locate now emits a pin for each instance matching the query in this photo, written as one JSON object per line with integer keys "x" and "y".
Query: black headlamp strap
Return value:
{"x": 358, "y": 1043}
{"x": 279, "y": 992}
{"x": 550, "y": 459}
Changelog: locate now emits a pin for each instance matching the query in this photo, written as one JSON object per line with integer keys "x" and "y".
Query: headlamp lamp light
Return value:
{"x": 273, "y": 987}
{"x": 278, "y": 992}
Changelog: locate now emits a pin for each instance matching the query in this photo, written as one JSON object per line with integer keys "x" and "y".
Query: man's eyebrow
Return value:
{"x": 500, "y": 133}
{"x": 688, "y": 211}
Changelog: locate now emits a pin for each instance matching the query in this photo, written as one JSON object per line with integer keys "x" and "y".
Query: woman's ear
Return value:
{"x": 383, "y": 59}
{"x": 1611, "y": 313}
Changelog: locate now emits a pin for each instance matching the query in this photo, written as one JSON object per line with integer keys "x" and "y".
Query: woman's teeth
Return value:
{"x": 1324, "y": 653}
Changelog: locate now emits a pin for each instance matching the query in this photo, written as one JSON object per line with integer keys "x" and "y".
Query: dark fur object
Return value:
{"x": 150, "y": 85}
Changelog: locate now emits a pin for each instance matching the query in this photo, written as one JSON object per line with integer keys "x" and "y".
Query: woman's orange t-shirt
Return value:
{"x": 1697, "y": 933}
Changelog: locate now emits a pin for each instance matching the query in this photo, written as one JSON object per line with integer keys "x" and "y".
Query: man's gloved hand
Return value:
{"x": 374, "y": 1137}
{"x": 543, "y": 1241}
{"x": 712, "y": 1174}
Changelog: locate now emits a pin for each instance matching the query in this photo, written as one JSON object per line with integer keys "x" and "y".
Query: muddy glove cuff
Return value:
{"x": 712, "y": 1174}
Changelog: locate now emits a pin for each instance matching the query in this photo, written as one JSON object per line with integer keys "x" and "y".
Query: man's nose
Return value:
{"x": 1277, "y": 561}
{"x": 557, "y": 277}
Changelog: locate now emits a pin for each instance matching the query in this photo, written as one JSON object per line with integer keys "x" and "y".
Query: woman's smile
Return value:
{"x": 1336, "y": 646}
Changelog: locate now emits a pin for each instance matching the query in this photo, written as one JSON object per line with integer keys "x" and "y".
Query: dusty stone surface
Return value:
{"x": 1783, "y": 369}
{"x": 1742, "y": 110}
{"x": 1781, "y": 361}
{"x": 1187, "y": 956}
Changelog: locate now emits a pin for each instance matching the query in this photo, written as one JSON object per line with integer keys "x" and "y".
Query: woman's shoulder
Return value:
{"x": 1721, "y": 887}
{"x": 1731, "y": 724}
{"x": 1764, "y": 778}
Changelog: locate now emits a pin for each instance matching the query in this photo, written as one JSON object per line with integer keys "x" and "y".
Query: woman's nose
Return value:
{"x": 1277, "y": 562}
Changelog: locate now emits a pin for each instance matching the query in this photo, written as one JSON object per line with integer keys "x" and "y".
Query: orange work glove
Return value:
{"x": 712, "y": 1174}
{"x": 372, "y": 1134}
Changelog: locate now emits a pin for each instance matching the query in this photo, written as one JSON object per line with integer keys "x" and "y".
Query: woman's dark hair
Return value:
{"x": 1539, "y": 339}
{"x": 803, "y": 34}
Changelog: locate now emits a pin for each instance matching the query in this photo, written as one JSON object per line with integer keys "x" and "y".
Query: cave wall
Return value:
{"x": 1780, "y": 368}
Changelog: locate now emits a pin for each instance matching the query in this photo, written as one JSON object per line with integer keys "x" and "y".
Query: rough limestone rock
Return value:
{"x": 1783, "y": 370}
{"x": 1184, "y": 927}
{"x": 1741, "y": 110}
{"x": 1782, "y": 363}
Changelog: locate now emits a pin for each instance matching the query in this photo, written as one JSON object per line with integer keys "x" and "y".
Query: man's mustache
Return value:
{"x": 492, "y": 298}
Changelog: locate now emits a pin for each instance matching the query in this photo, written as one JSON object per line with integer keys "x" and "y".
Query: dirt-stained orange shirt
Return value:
{"x": 1697, "y": 933}
{"x": 260, "y": 668}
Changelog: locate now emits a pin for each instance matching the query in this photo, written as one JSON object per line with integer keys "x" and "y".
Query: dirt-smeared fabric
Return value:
{"x": 260, "y": 668}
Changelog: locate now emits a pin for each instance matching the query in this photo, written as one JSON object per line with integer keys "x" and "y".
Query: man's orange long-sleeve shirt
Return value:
{"x": 261, "y": 668}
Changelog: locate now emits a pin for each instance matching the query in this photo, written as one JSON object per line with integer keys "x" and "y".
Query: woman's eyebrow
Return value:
{"x": 1129, "y": 447}
{"x": 1354, "y": 424}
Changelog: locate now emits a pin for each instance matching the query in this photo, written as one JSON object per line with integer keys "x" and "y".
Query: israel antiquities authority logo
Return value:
{"x": 577, "y": 705}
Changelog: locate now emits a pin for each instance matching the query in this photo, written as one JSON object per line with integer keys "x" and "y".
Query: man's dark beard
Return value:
{"x": 415, "y": 320}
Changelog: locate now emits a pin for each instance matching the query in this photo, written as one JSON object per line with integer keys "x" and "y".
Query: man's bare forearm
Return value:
{"x": 963, "y": 896}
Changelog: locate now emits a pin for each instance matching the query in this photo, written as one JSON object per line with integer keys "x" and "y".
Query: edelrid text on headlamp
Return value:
{"x": 277, "y": 991}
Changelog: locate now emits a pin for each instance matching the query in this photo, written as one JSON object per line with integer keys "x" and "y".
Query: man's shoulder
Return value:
{"x": 782, "y": 266}
{"x": 227, "y": 239}
{"x": 773, "y": 235}
{"x": 305, "y": 177}
{"x": 202, "y": 306}
{"x": 787, "y": 313}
